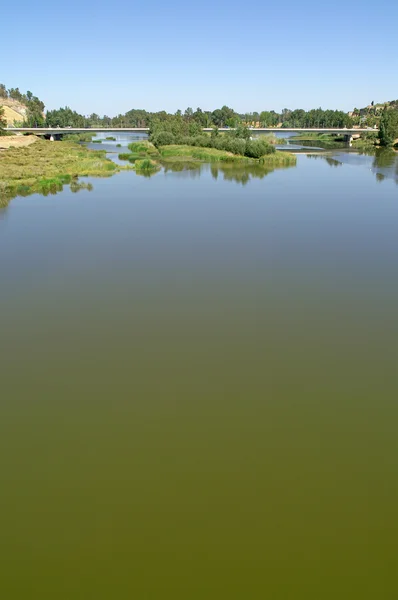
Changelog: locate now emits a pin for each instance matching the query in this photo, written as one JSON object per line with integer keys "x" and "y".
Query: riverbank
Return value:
{"x": 45, "y": 166}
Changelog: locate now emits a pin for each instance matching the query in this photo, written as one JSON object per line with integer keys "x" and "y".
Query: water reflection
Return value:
{"x": 44, "y": 188}
{"x": 242, "y": 173}
{"x": 332, "y": 162}
{"x": 239, "y": 173}
{"x": 383, "y": 163}
{"x": 194, "y": 168}
{"x": 385, "y": 158}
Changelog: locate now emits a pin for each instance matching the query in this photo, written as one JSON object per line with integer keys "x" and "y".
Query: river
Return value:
{"x": 199, "y": 385}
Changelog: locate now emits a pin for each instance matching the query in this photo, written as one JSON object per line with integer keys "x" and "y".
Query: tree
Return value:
{"x": 241, "y": 132}
{"x": 34, "y": 114}
{"x": 63, "y": 117}
{"x": 268, "y": 118}
{"x": 3, "y": 91}
{"x": 388, "y": 130}
{"x": 200, "y": 117}
{"x": 3, "y": 122}
{"x": 15, "y": 94}
{"x": 225, "y": 116}
{"x": 188, "y": 113}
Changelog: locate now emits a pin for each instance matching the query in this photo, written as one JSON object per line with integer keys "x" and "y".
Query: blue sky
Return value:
{"x": 105, "y": 57}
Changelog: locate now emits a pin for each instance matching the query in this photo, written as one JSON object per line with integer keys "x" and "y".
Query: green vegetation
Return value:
{"x": 186, "y": 153}
{"x": 272, "y": 139}
{"x": 78, "y": 137}
{"x": 118, "y": 145}
{"x": 172, "y": 144}
{"x": 65, "y": 117}
{"x": 146, "y": 165}
{"x": 198, "y": 119}
{"x": 143, "y": 148}
{"x": 110, "y": 138}
{"x": 179, "y": 133}
{"x": 46, "y": 166}
{"x": 3, "y": 122}
{"x": 220, "y": 117}
{"x": 388, "y": 131}
{"x": 326, "y": 140}
{"x": 139, "y": 150}
{"x": 34, "y": 106}
{"x": 370, "y": 115}
{"x": 367, "y": 141}
{"x": 315, "y": 118}
{"x": 97, "y": 141}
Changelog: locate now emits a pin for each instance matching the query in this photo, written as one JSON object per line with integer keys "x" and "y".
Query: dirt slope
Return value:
{"x": 13, "y": 110}
{"x": 16, "y": 141}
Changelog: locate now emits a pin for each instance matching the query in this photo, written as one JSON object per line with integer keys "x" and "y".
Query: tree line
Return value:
{"x": 220, "y": 117}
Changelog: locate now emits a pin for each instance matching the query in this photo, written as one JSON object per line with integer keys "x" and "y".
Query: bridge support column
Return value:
{"x": 348, "y": 138}
{"x": 51, "y": 138}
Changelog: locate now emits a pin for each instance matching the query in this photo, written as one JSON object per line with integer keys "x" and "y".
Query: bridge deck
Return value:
{"x": 57, "y": 130}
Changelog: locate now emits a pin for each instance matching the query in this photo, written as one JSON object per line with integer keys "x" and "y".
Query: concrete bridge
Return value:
{"x": 54, "y": 132}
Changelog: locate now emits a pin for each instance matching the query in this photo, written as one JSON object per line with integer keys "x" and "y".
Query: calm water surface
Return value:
{"x": 199, "y": 386}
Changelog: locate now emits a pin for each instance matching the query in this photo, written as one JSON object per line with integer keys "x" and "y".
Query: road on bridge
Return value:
{"x": 58, "y": 130}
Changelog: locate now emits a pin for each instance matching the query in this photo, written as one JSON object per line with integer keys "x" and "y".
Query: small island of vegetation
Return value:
{"x": 177, "y": 140}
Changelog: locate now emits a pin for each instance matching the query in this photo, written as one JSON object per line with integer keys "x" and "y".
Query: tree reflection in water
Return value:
{"x": 384, "y": 165}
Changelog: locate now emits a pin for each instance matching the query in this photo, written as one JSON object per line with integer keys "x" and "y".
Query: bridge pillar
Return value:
{"x": 51, "y": 138}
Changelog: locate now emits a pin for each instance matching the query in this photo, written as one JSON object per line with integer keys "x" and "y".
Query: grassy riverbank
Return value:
{"x": 46, "y": 166}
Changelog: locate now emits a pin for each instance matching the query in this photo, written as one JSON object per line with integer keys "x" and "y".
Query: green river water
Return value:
{"x": 199, "y": 386}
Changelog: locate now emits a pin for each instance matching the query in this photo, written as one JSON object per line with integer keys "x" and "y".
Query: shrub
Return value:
{"x": 258, "y": 148}
{"x": 184, "y": 140}
{"x": 142, "y": 148}
{"x": 145, "y": 165}
{"x": 194, "y": 129}
{"x": 219, "y": 143}
{"x": 163, "y": 138}
{"x": 3, "y": 122}
{"x": 203, "y": 141}
{"x": 241, "y": 132}
{"x": 238, "y": 146}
